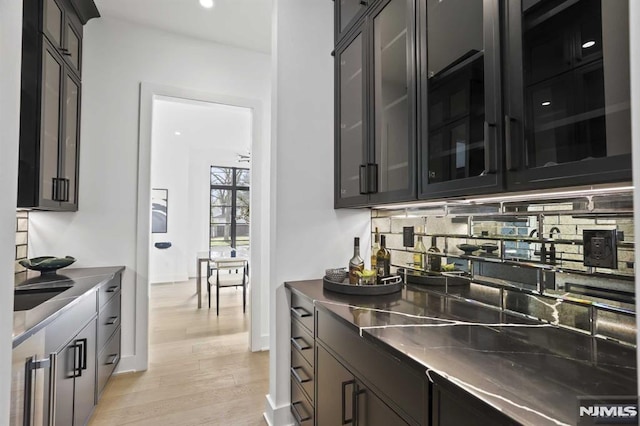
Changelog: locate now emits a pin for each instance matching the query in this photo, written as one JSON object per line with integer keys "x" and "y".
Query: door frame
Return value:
{"x": 259, "y": 235}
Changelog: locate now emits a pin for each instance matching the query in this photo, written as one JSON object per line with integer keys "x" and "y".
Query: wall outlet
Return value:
{"x": 407, "y": 236}
{"x": 600, "y": 248}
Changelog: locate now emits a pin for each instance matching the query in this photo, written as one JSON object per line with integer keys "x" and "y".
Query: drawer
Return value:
{"x": 67, "y": 325}
{"x": 109, "y": 289}
{"x": 301, "y": 408}
{"x": 302, "y": 373}
{"x": 108, "y": 320}
{"x": 108, "y": 360}
{"x": 302, "y": 341}
{"x": 302, "y": 310}
{"x": 404, "y": 387}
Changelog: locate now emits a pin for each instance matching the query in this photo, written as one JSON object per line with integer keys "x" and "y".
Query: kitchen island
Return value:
{"x": 478, "y": 364}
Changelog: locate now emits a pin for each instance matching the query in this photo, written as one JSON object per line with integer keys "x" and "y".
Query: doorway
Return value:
{"x": 152, "y": 100}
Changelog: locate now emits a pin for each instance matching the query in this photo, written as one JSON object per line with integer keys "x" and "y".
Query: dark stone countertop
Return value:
{"x": 83, "y": 281}
{"x": 530, "y": 371}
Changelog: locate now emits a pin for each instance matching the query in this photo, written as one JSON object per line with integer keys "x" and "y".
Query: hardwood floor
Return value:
{"x": 201, "y": 371}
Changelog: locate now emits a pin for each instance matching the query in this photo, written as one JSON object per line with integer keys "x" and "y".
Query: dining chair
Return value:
{"x": 229, "y": 272}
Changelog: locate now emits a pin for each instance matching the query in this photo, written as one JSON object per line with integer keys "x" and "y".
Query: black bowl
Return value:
{"x": 468, "y": 248}
{"x": 47, "y": 264}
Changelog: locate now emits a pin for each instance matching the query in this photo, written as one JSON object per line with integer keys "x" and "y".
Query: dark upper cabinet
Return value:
{"x": 375, "y": 108}
{"x": 347, "y": 14}
{"x": 50, "y": 104}
{"x": 459, "y": 82}
{"x": 567, "y": 104}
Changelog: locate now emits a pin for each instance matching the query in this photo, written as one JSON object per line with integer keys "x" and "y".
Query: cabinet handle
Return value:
{"x": 66, "y": 189}
{"x": 356, "y": 404}
{"x": 297, "y": 376}
{"x": 296, "y": 311}
{"x": 53, "y": 374}
{"x": 297, "y": 415}
{"x": 112, "y": 321}
{"x": 111, "y": 289}
{"x": 294, "y": 341}
{"x": 113, "y": 359}
{"x": 509, "y": 144}
{"x": 344, "y": 405}
{"x": 489, "y": 152}
{"x": 363, "y": 180}
{"x": 372, "y": 178}
{"x": 364, "y": 3}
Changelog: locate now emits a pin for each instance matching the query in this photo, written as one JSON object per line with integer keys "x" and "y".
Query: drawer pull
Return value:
{"x": 300, "y": 418}
{"x": 297, "y": 376}
{"x": 113, "y": 359}
{"x": 112, "y": 321}
{"x": 294, "y": 342}
{"x": 112, "y": 289}
{"x": 346, "y": 421}
{"x": 300, "y": 312}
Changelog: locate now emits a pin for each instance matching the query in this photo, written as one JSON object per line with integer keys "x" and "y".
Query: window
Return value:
{"x": 229, "y": 220}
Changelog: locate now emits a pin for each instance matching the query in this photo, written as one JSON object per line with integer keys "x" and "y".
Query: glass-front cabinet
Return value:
{"x": 567, "y": 107}
{"x": 460, "y": 97}
{"x": 375, "y": 108}
{"x": 346, "y": 14}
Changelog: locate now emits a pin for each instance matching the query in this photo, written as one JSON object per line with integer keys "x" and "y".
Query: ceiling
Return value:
{"x": 239, "y": 23}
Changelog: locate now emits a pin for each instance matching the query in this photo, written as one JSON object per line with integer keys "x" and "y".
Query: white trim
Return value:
{"x": 277, "y": 416}
{"x": 148, "y": 92}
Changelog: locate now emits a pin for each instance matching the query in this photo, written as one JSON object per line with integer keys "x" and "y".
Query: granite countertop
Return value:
{"x": 82, "y": 280}
{"x": 530, "y": 371}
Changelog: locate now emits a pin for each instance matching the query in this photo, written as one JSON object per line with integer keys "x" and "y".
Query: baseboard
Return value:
{"x": 264, "y": 342}
{"x": 277, "y": 416}
{"x": 129, "y": 364}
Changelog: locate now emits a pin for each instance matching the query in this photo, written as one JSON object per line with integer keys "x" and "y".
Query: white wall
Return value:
{"x": 10, "y": 43}
{"x": 118, "y": 57}
{"x": 310, "y": 235}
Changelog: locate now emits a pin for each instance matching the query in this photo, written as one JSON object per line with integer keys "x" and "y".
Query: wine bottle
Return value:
{"x": 383, "y": 259}
{"x": 374, "y": 249}
{"x": 356, "y": 263}
{"x": 419, "y": 255}
{"x": 435, "y": 261}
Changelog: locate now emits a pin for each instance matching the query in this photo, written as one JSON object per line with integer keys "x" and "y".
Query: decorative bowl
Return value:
{"x": 489, "y": 247}
{"x": 336, "y": 274}
{"x": 47, "y": 264}
{"x": 468, "y": 248}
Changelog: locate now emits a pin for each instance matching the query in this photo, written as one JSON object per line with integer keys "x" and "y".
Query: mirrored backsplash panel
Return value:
{"x": 567, "y": 261}
{"x": 22, "y": 239}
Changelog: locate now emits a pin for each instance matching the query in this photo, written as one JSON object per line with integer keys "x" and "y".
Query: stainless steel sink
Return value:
{"x": 28, "y": 297}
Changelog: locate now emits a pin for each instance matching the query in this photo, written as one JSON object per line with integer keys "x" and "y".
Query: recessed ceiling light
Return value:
{"x": 588, "y": 44}
{"x": 207, "y": 4}
{"x": 546, "y": 103}
{"x": 177, "y": 133}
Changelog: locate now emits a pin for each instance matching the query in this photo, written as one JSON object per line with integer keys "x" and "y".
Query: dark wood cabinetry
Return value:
{"x": 434, "y": 103}
{"x": 50, "y": 104}
{"x": 375, "y": 107}
{"x": 567, "y": 107}
{"x": 302, "y": 360}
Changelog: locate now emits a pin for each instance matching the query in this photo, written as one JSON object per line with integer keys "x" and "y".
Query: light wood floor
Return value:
{"x": 201, "y": 371}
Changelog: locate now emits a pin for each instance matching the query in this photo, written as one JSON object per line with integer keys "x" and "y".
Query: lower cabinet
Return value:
{"x": 452, "y": 406}
{"x": 75, "y": 381}
{"x": 343, "y": 400}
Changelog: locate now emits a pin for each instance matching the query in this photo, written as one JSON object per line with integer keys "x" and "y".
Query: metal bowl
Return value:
{"x": 336, "y": 274}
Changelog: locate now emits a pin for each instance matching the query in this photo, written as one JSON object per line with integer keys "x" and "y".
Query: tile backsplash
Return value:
{"x": 22, "y": 239}
{"x": 537, "y": 264}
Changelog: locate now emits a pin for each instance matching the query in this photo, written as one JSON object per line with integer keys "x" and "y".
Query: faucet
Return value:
{"x": 552, "y": 250}
{"x": 543, "y": 249}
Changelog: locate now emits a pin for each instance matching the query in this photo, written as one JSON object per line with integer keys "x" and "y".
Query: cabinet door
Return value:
{"x": 73, "y": 47}
{"x": 69, "y": 152}
{"x": 346, "y": 13}
{"x": 28, "y": 383}
{"x": 350, "y": 128}
{"x": 392, "y": 96}
{"x": 66, "y": 370}
{"x": 334, "y": 392}
{"x": 372, "y": 411}
{"x": 53, "y": 22}
{"x": 460, "y": 98}
{"x": 85, "y": 380}
{"x": 567, "y": 106}
{"x": 50, "y": 132}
